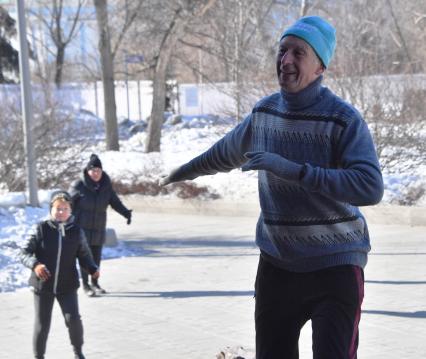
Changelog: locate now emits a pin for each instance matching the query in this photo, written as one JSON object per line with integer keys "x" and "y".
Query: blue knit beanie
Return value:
{"x": 316, "y": 32}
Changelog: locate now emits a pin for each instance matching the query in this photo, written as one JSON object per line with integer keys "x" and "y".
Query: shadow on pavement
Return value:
{"x": 199, "y": 241}
{"x": 182, "y": 294}
{"x": 418, "y": 314}
{"x": 397, "y": 254}
{"x": 396, "y": 282}
{"x": 182, "y": 247}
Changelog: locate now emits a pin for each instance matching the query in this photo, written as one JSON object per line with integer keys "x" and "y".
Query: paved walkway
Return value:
{"x": 187, "y": 293}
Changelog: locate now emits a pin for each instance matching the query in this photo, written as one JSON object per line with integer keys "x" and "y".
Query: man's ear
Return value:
{"x": 320, "y": 70}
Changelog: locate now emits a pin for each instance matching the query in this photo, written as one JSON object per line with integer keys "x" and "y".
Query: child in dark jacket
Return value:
{"x": 51, "y": 255}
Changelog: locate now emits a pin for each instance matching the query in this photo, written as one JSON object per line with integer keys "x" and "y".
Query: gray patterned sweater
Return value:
{"x": 310, "y": 219}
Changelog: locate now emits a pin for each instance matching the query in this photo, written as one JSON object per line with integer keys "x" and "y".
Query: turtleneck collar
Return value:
{"x": 304, "y": 98}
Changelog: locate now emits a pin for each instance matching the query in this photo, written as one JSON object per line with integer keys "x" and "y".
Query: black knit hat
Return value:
{"x": 94, "y": 162}
{"x": 63, "y": 195}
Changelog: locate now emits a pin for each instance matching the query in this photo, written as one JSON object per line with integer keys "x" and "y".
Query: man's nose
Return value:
{"x": 287, "y": 58}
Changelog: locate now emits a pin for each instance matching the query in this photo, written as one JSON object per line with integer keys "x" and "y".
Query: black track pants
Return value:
{"x": 285, "y": 301}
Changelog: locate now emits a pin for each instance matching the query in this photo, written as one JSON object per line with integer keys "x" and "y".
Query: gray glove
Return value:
{"x": 274, "y": 163}
{"x": 179, "y": 174}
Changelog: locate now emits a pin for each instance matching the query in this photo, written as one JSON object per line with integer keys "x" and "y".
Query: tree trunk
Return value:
{"x": 60, "y": 56}
{"x": 304, "y": 6}
{"x": 174, "y": 33}
{"x": 153, "y": 138}
{"x": 107, "y": 76}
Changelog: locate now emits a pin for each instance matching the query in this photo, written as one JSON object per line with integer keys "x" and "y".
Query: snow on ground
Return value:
{"x": 16, "y": 224}
{"x": 180, "y": 143}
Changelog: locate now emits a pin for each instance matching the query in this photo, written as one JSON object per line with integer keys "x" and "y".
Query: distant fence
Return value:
{"x": 134, "y": 98}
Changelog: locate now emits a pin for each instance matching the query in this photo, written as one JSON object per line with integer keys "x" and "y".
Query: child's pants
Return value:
{"x": 43, "y": 303}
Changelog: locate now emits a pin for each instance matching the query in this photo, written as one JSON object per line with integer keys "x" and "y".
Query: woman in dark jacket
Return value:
{"x": 51, "y": 255}
{"x": 91, "y": 196}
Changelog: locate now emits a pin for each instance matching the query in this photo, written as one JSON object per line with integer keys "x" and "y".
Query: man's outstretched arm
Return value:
{"x": 223, "y": 156}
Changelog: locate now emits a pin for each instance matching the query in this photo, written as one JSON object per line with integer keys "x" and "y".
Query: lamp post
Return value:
{"x": 127, "y": 88}
{"x": 132, "y": 59}
{"x": 27, "y": 109}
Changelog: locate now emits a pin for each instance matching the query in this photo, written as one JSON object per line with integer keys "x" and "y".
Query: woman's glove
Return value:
{"x": 129, "y": 216}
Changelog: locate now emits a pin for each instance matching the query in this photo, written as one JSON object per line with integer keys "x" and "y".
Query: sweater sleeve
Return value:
{"x": 224, "y": 155}
{"x": 358, "y": 179}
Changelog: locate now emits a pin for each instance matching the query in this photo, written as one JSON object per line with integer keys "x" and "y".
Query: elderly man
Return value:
{"x": 317, "y": 163}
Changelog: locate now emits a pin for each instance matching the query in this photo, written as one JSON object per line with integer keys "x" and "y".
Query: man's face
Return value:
{"x": 95, "y": 174}
{"x": 297, "y": 64}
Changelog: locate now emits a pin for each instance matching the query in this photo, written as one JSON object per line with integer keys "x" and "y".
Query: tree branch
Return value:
{"x": 398, "y": 29}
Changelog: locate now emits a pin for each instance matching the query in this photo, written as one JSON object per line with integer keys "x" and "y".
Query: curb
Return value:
{"x": 390, "y": 214}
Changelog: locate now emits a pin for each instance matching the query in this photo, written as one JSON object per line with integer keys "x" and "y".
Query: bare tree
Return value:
{"x": 410, "y": 29}
{"x": 370, "y": 54}
{"x": 61, "y": 24}
{"x": 107, "y": 68}
{"x": 59, "y": 141}
{"x": 107, "y": 53}
{"x": 242, "y": 55}
{"x": 248, "y": 24}
{"x": 183, "y": 12}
